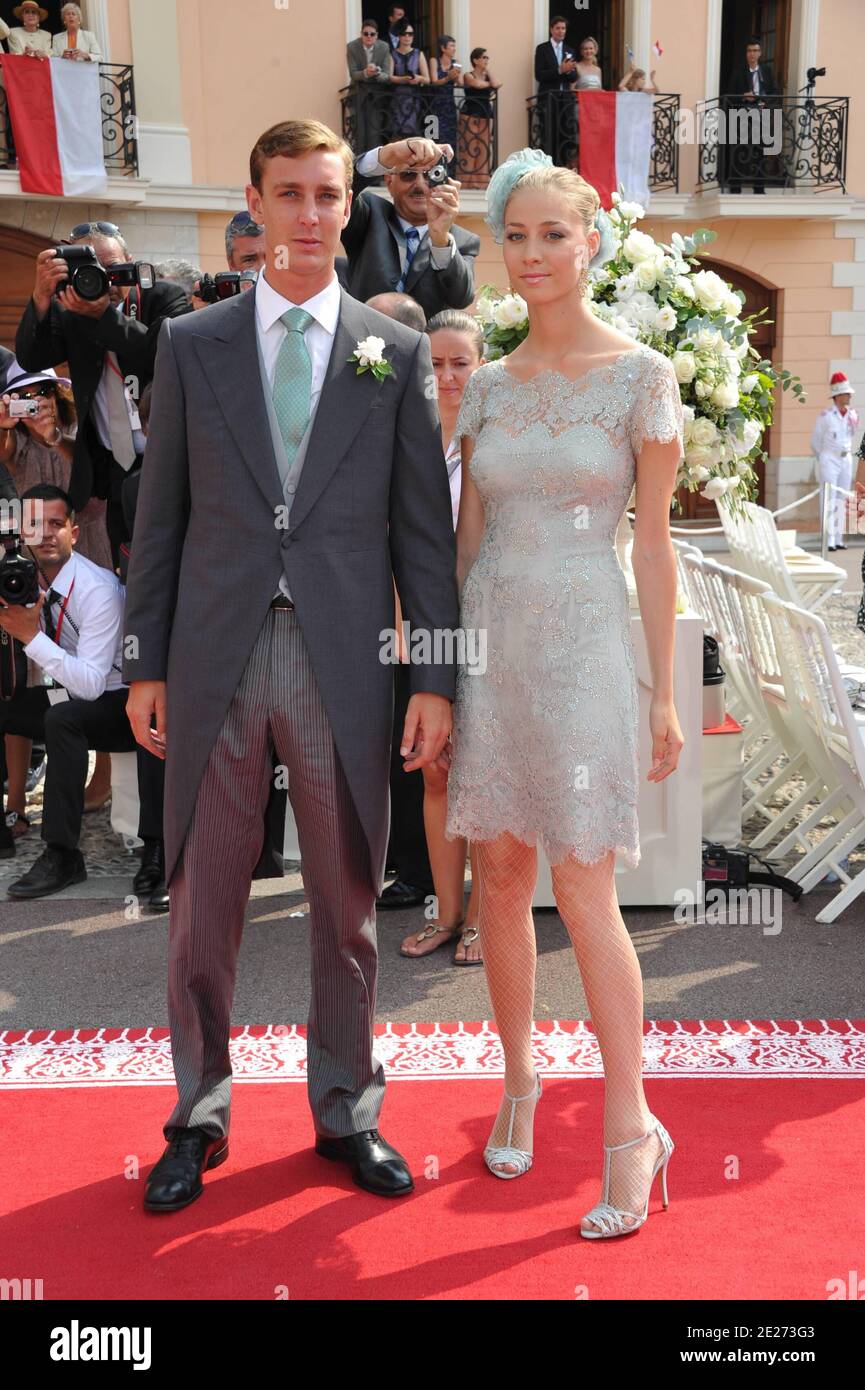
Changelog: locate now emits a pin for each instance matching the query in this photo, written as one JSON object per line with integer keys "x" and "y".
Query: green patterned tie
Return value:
{"x": 292, "y": 381}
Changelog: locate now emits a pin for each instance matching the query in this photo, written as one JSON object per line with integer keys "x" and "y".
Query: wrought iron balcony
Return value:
{"x": 375, "y": 113}
{"x": 554, "y": 127}
{"x": 119, "y": 122}
{"x": 797, "y": 142}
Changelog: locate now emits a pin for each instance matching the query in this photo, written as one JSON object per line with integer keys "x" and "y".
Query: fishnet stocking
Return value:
{"x": 586, "y": 899}
{"x": 507, "y": 873}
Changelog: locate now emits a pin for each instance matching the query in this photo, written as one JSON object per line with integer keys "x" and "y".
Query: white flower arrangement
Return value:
{"x": 660, "y": 295}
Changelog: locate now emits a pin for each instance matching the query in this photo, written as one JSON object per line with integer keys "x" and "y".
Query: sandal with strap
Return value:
{"x": 468, "y": 937}
{"x": 497, "y": 1155}
{"x": 611, "y": 1221}
{"x": 17, "y": 823}
{"x": 434, "y": 929}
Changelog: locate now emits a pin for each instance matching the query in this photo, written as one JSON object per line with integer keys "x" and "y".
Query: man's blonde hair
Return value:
{"x": 293, "y": 138}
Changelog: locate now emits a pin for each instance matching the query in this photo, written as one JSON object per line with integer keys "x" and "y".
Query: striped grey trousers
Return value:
{"x": 277, "y": 700}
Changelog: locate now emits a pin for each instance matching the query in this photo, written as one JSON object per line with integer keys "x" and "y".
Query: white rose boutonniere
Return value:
{"x": 369, "y": 356}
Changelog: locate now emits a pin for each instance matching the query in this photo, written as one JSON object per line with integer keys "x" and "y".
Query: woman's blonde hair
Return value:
{"x": 579, "y": 194}
{"x": 634, "y": 77}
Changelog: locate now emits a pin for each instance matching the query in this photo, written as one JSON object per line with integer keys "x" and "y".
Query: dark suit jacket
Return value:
{"x": 371, "y": 241}
{"x": 355, "y": 55}
{"x": 739, "y": 81}
{"x": 82, "y": 342}
{"x": 372, "y": 504}
{"x": 547, "y": 74}
{"x": 7, "y": 359}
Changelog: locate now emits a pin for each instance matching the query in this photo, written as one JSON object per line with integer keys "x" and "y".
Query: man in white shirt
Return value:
{"x": 73, "y": 637}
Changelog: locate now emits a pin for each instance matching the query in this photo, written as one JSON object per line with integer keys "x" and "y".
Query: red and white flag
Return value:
{"x": 56, "y": 115}
{"x": 616, "y": 143}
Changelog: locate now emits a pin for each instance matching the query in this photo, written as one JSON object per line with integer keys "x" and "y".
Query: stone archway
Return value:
{"x": 18, "y": 251}
{"x": 758, "y": 295}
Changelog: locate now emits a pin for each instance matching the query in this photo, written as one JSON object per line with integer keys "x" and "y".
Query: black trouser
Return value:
{"x": 408, "y": 847}
{"x": 109, "y": 478}
{"x": 69, "y": 730}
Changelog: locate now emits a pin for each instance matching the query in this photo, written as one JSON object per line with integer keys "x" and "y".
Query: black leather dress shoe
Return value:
{"x": 159, "y": 900}
{"x": 400, "y": 894}
{"x": 54, "y": 870}
{"x": 175, "y": 1180}
{"x": 375, "y": 1164}
{"x": 152, "y": 869}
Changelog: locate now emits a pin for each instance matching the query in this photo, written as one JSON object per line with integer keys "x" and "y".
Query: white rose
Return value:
{"x": 704, "y": 431}
{"x": 700, "y": 473}
{"x": 711, "y": 290}
{"x": 698, "y": 456}
{"x": 732, "y": 305}
{"x": 746, "y": 436}
{"x": 707, "y": 339}
{"x": 510, "y": 311}
{"x": 684, "y": 366}
{"x": 631, "y": 212}
{"x": 646, "y": 275}
{"x": 370, "y": 351}
{"x": 715, "y": 487}
{"x": 684, "y": 285}
{"x": 747, "y": 384}
{"x": 665, "y": 319}
{"x": 688, "y": 414}
{"x": 702, "y": 389}
{"x": 637, "y": 247}
{"x": 726, "y": 395}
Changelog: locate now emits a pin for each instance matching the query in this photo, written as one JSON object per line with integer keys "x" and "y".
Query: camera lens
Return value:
{"x": 90, "y": 281}
{"x": 12, "y": 586}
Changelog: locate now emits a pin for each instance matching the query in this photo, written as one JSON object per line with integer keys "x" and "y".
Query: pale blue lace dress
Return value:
{"x": 545, "y": 738}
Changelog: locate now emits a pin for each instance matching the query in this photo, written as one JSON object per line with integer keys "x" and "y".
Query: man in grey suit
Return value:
{"x": 282, "y": 491}
{"x": 412, "y": 245}
{"x": 370, "y": 67}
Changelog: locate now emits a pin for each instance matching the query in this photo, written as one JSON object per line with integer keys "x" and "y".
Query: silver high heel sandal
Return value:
{"x": 505, "y": 1153}
{"x": 610, "y": 1219}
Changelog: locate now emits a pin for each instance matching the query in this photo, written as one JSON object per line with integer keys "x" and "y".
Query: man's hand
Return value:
{"x": 50, "y": 270}
{"x": 416, "y": 153}
{"x": 145, "y": 699}
{"x": 428, "y": 723}
{"x": 443, "y": 205}
{"x": 20, "y": 622}
{"x": 87, "y": 308}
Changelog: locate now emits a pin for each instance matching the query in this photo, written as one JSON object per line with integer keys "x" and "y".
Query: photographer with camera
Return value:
{"x": 68, "y": 614}
{"x": 97, "y": 310}
{"x": 413, "y": 244}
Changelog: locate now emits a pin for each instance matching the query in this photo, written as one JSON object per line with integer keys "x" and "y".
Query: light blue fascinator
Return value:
{"x": 502, "y": 185}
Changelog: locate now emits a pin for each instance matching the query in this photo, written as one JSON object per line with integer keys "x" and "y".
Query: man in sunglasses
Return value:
{"x": 110, "y": 345}
{"x": 244, "y": 243}
{"x": 370, "y": 67}
{"x": 413, "y": 244}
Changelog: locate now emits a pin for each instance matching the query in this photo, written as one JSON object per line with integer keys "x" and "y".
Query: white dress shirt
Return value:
{"x": 324, "y": 307}
{"x": 440, "y": 256}
{"x": 100, "y": 414}
{"x": 87, "y": 662}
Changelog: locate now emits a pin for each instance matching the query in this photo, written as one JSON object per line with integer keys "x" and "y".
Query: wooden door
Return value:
{"x": 18, "y": 252}
{"x": 757, "y": 297}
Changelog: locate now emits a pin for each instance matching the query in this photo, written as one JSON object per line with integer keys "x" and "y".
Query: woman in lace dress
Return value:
{"x": 544, "y": 745}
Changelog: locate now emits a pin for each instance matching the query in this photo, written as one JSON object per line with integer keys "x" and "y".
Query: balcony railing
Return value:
{"x": 554, "y": 127}
{"x": 119, "y": 122}
{"x": 796, "y": 142}
{"x": 375, "y": 113}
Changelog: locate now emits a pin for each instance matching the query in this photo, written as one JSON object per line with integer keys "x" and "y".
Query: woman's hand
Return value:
{"x": 44, "y": 423}
{"x": 667, "y": 740}
{"x": 7, "y": 422}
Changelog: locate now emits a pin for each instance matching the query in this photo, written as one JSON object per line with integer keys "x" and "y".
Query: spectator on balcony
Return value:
{"x": 475, "y": 122}
{"x": 77, "y": 43}
{"x": 244, "y": 243}
{"x": 29, "y": 40}
{"x": 445, "y": 76}
{"x": 634, "y": 80}
{"x": 556, "y": 73}
{"x": 410, "y": 71}
{"x": 395, "y": 17}
{"x": 5, "y": 31}
{"x": 413, "y": 244}
{"x": 106, "y": 342}
{"x": 750, "y": 87}
{"x": 370, "y": 66}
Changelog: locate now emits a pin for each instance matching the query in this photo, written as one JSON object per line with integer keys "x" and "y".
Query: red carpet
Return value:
{"x": 763, "y": 1182}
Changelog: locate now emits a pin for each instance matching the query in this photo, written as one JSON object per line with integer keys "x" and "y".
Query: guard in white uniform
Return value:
{"x": 832, "y": 446}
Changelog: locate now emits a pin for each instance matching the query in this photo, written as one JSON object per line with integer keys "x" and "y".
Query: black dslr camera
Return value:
{"x": 19, "y": 577}
{"x": 224, "y": 285}
{"x": 91, "y": 280}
